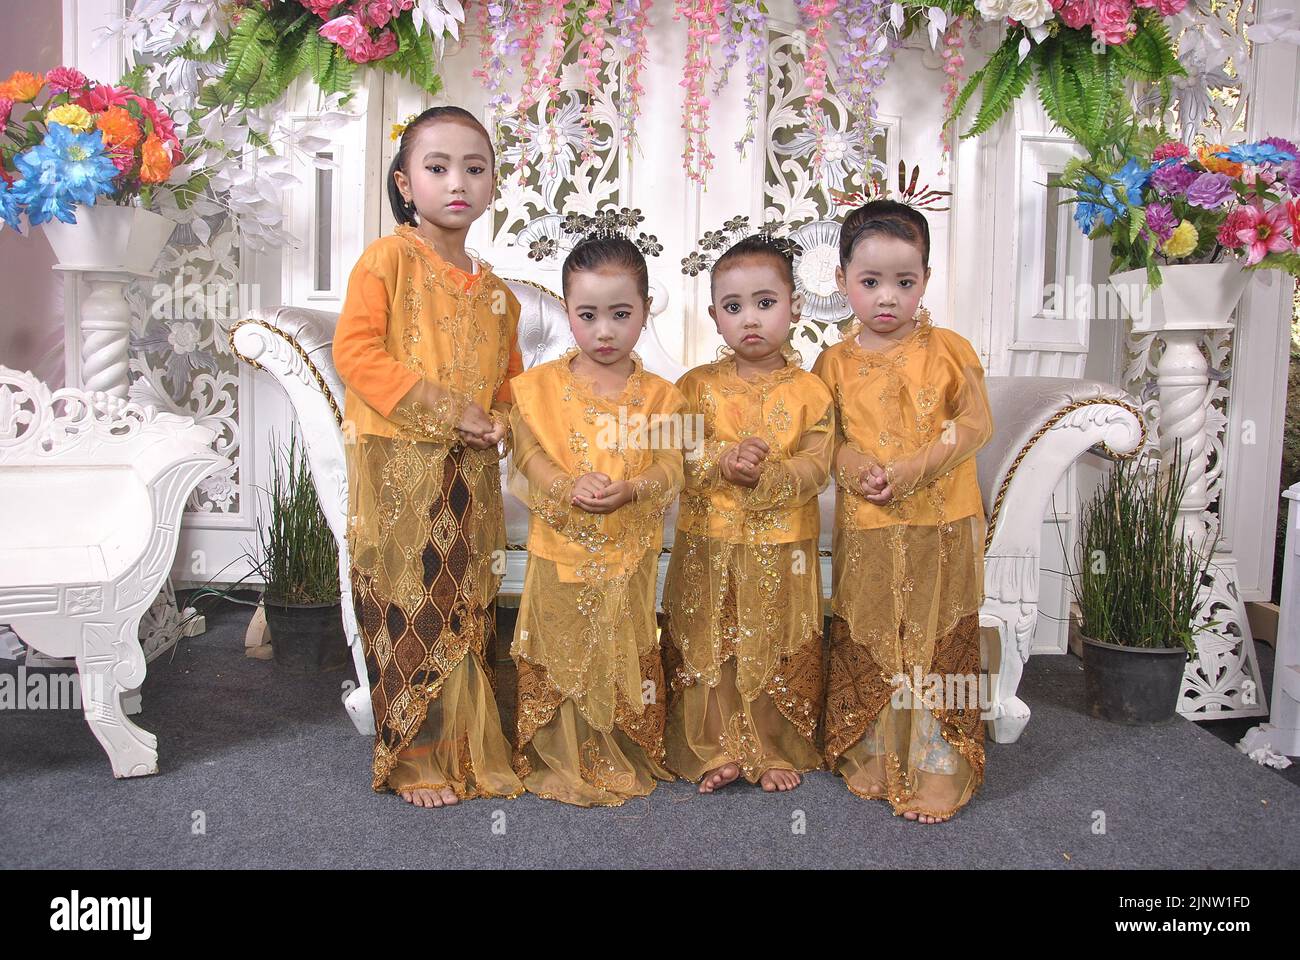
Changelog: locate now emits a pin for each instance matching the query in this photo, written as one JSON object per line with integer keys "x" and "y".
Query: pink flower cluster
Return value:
{"x": 953, "y": 61}
{"x": 595, "y": 21}
{"x": 703, "y": 32}
{"x": 1259, "y": 232}
{"x": 1112, "y": 21}
{"x": 362, "y": 31}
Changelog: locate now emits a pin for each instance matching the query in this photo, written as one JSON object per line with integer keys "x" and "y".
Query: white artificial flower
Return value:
{"x": 993, "y": 9}
{"x": 1030, "y": 13}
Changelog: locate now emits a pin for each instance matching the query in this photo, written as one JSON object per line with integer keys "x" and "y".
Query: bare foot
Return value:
{"x": 924, "y": 818}
{"x": 719, "y": 777}
{"x": 422, "y": 797}
{"x": 773, "y": 780}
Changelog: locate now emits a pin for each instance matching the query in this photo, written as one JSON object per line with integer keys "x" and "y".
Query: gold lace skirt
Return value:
{"x": 594, "y": 736}
{"x": 733, "y": 606}
{"x": 923, "y": 756}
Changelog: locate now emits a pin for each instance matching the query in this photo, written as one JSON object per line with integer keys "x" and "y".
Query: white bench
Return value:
{"x": 1041, "y": 426}
{"x": 91, "y": 494}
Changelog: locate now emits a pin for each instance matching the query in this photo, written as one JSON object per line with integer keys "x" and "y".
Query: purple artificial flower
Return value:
{"x": 1161, "y": 220}
{"x": 1173, "y": 178}
{"x": 1290, "y": 172}
{"x": 1209, "y": 190}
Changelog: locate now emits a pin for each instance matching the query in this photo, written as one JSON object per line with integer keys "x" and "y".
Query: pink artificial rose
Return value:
{"x": 1076, "y": 14}
{"x": 349, "y": 33}
{"x": 384, "y": 45}
{"x": 1169, "y": 8}
{"x": 321, "y": 8}
{"x": 1293, "y": 215}
{"x": 376, "y": 13}
{"x": 1144, "y": 3}
{"x": 6, "y": 107}
{"x": 1112, "y": 21}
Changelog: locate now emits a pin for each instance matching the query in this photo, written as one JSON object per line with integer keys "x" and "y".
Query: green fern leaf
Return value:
{"x": 1006, "y": 80}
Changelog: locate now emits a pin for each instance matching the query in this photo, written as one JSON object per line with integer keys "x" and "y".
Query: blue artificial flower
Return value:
{"x": 10, "y": 208}
{"x": 1256, "y": 153}
{"x": 1133, "y": 177}
{"x": 1097, "y": 199}
{"x": 67, "y": 168}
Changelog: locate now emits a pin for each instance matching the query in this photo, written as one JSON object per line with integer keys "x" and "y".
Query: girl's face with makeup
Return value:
{"x": 884, "y": 282}
{"x": 448, "y": 174}
{"x": 606, "y": 313}
{"x": 752, "y": 306}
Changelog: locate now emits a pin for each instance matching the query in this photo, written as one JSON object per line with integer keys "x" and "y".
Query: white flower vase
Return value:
{"x": 1191, "y": 296}
{"x": 108, "y": 246}
{"x": 110, "y": 237}
{"x": 1192, "y": 300}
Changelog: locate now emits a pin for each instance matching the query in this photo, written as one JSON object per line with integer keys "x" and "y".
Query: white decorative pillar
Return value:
{"x": 104, "y": 323}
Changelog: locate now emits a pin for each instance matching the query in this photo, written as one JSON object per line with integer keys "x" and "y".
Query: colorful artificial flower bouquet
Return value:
{"x": 84, "y": 142}
{"x": 1162, "y": 203}
{"x": 1080, "y": 53}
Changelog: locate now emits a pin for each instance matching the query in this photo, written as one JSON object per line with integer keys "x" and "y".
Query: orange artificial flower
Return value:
{"x": 155, "y": 161}
{"x": 22, "y": 87}
{"x": 1209, "y": 161}
{"x": 121, "y": 130}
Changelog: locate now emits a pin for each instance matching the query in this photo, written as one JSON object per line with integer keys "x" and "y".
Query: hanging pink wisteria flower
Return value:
{"x": 702, "y": 32}
{"x": 815, "y": 15}
{"x": 595, "y": 21}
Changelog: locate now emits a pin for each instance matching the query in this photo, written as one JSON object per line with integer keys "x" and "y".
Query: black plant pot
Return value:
{"x": 307, "y": 638}
{"x": 1132, "y": 685}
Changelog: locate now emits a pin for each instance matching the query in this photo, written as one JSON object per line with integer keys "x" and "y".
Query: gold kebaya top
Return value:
{"x": 792, "y": 411}
{"x": 920, "y": 411}
{"x": 409, "y": 316}
{"x": 563, "y": 429}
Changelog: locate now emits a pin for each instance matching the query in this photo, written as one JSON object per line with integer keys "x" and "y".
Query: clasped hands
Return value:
{"x": 478, "y": 430}
{"x": 874, "y": 484}
{"x": 597, "y": 493}
{"x": 743, "y": 463}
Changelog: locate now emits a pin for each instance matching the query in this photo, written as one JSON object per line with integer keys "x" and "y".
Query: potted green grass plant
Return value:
{"x": 1139, "y": 586}
{"x": 299, "y": 563}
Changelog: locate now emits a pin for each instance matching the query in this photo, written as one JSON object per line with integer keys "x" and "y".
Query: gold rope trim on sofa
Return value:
{"x": 315, "y": 372}
{"x": 537, "y": 286}
{"x": 1051, "y": 422}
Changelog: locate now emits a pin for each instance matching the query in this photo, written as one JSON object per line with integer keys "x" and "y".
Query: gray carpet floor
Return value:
{"x": 272, "y": 768}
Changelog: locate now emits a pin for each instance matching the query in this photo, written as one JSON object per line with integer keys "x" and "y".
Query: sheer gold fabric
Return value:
{"x": 924, "y": 756}
{"x": 460, "y": 745}
{"x": 425, "y": 517}
{"x": 906, "y": 574}
{"x": 585, "y": 633}
{"x": 742, "y": 599}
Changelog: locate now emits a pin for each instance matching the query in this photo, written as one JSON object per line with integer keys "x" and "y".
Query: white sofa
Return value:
{"x": 1042, "y": 425}
{"x": 91, "y": 493}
